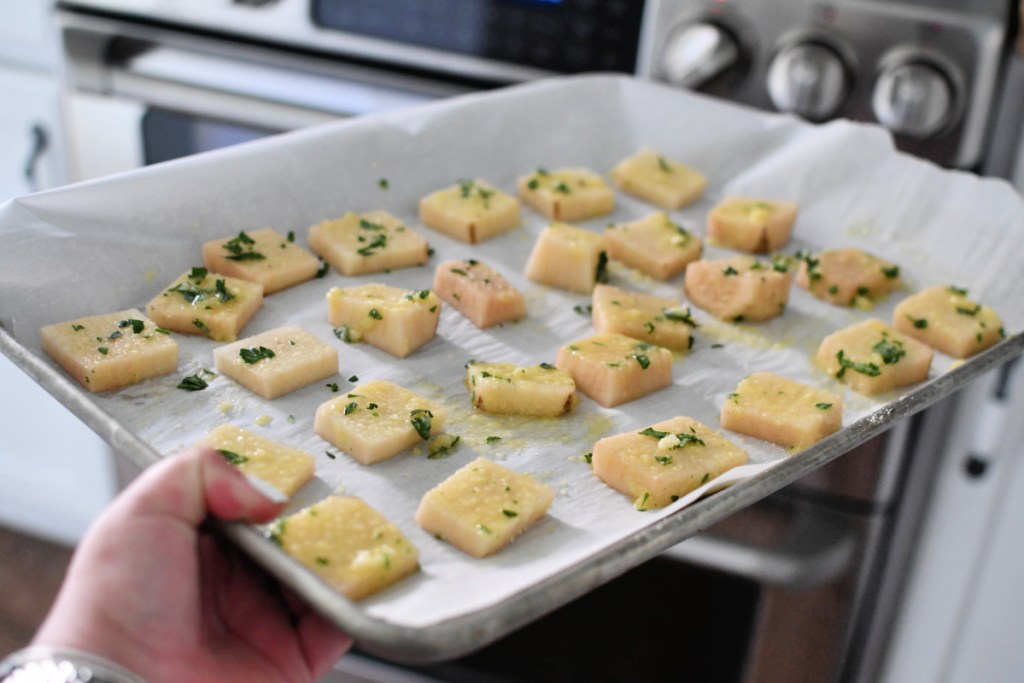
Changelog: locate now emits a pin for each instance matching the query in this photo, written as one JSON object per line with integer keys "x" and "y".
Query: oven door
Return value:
{"x": 138, "y": 94}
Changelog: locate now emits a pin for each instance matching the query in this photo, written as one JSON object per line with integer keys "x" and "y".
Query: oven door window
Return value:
{"x": 169, "y": 135}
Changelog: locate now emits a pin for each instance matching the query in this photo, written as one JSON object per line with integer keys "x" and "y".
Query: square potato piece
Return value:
{"x": 613, "y": 368}
{"x": 112, "y": 350}
{"x": 471, "y": 211}
{"x": 568, "y": 194}
{"x": 755, "y": 226}
{"x": 654, "y": 245}
{"x": 277, "y": 362}
{"x": 483, "y": 506}
{"x": 872, "y": 357}
{"x": 782, "y": 411}
{"x": 285, "y": 468}
{"x": 659, "y": 180}
{"x": 371, "y": 242}
{"x": 568, "y": 257}
{"x": 200, "y": 302}
{"x": 479, "y": 292}
{"x": 656, "y": 466}
{"x": 378, "y": 420}
{"x": 944, "y": 318}
{"x": 348, "y": 544}
{"x": 508, "y": 389}
{"x": 395, "y": 320}
{"x": 739, "y": 289}
{"x": 264, "y": 256}
{"x": 848, "y": 277}
{"x": 642, "y": 316}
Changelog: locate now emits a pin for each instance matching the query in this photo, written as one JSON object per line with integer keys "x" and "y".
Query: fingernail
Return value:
{"x": 266, "y": 490}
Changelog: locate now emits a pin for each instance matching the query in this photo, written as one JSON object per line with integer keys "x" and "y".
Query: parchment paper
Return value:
{"x": 116, "y": 243}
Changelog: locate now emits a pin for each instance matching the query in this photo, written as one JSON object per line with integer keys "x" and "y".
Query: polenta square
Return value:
{"x": 285, "y": 468}
{"x": 659, "y": 180}
{"x": 348, "y": 544}
{"x": 264, "y": 256}
{"x": 112, "y": 350}
{"x": 509, "y": 389}
{"x": 944, "y": 318}
{"x": 395, "y": 320}
{"x": 751, "y": 225}
{"x": 200, "y": 302}
{"x": 378, "y": 420}
{"x": 782, "y": 411}
{"x": 654, "y": 245}
{"x": 483, "y": 506}
{"x": 471, "y": 211}
{"x": 647, "y": 317}
{"x": 847, "y": 277}
{"x": 873, "y": 357}
{"x": 657, "y": 465}
{"x": 371, "y": 242}
{"x": 739, "y": 289}
{"x": 277, "y": 362}
{"x": 568, "y": 257}
{"x": 479, "y": 292}
{"x": 568, "y": 194}
{"x": 614, "y": 368}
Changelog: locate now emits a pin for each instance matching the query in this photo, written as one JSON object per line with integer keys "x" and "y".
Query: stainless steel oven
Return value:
{"x": 803, "y": 586}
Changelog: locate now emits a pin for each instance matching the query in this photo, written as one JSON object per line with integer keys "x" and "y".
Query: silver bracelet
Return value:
{"x": 62, "y": 665}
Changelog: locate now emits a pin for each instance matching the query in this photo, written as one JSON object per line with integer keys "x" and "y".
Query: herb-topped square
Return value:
{"x": 112, "y": 350}
{"x": 657, "y": 465}
{"x": 753, "y": 225}
{"x": 483, "y": 507}
{"x": 264, "y": 256}
{"x": 568, "y": 257}
{"x": 568, "y": 194}
{"x": 479, "y": 292}
{"x": 378, "y": 420}
{"x": 847, "y": 277}
{"x": 944, "y": 318}
{"x": 285, "y": 468}
{"x": 200, "y": 302}
{"x": 348, "y": 544}
{"x": 614, "y": 368}
{"x": 654, "y": 245}
{"x": 508, "y": 389}
{"x": 873, "y": 357}
{"x": 471, "y": 211}
{"x": 371, "y": 242}
{"x": 647, "y": 317}
{"x": 739, "y": 289}
{"x": 656, "y": 179}
{"x": 395, "y": 320}
{"x": 277, "y": 362}
{"x": 782, "y": 411}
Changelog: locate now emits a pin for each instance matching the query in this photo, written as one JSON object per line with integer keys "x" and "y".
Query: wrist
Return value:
{"x": 64, "y": 665}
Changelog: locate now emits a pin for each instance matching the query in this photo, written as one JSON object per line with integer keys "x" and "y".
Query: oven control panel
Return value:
{"x": 924, "y": 70}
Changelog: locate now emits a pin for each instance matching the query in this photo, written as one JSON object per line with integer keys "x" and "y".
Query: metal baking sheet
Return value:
{"x": 117, "y": 242}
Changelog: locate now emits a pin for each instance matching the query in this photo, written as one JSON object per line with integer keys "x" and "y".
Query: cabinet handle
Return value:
{"x": 40, "y": 143}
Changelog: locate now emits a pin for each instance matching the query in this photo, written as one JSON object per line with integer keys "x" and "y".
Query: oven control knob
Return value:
{"x": 914, "y": 98}
{"x": 809, "y": 79}
{"x": 696, "y": 53}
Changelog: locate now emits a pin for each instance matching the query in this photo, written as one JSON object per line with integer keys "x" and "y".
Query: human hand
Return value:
{"x": 150, "y": 589}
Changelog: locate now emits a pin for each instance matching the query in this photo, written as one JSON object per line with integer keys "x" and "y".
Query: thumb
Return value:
{"x": 195, "y": 483}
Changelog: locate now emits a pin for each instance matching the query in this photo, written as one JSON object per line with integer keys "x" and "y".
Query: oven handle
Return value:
{"x": 268, "y": 83}
{"x": 815, "y": 548}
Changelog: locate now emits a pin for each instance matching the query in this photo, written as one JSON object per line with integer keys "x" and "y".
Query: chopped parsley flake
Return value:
{"x": 232, "y": 457}
{"x": 869, "y": 369}
{"x": 421, "y": 421}
{"x": 253, "y": 354}
{"x": 193, "y": 383}
{"x": 241, "y": 249}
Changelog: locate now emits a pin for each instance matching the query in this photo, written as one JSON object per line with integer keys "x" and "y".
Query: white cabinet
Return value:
{"x": 29, "y": 131}
{"x": 55, "y": 473}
